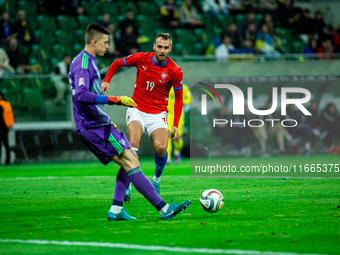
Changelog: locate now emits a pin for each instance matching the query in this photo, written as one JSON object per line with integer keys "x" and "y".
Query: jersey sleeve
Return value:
{"x": 131, "y": 60}
{"x": 82, "y": 87}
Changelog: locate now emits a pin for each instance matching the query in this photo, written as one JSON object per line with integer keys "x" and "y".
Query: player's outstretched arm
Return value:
{"x": 105, "y": 87}
{"x": 175, "y": 132}
{"x": 121, "y": 100}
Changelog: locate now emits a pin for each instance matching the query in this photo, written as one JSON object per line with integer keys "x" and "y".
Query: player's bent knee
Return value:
{"x": 134, "y": 143}
{"x": 161, "y": 149}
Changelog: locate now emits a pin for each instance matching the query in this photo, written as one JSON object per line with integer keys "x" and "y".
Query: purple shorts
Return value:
{"x": 104, "y": 142}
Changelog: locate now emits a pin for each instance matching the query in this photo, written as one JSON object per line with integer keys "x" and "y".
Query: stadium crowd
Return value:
{"x": 269, "y": 27}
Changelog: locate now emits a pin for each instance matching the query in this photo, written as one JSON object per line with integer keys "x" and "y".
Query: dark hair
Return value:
{"x": 2, "y": 95}
{"x": 165, "y": 36}
{"x": 94, "y": 31}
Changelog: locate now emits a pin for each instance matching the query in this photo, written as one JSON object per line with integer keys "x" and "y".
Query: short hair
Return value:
{"x": 165, "y": 36}
{"x": 93, "y": 31}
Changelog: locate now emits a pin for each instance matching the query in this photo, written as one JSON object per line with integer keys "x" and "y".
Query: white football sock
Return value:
{"x": 164, "y": 209}
{"x": 156, "y": 179}
{"x": 116, "y": 208}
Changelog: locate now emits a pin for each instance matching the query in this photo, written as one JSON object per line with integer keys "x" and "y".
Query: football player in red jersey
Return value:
{"x": 156, "y": 74}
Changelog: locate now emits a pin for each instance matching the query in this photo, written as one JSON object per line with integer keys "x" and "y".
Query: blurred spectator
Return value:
{"x": 64, "y": 7}
{"x": 17, "y": 58}
{"x": 6, "y": 122}
{"x": 234, "y": 35}
{"x": 5, "y": 67}
{"x": 222, "y": 51}
{"x": 337, "y": 40}
{"x": 312, "y": 47}
{"x": 303, "y": 129}
{"x": 288, "y": 14}
{"x": 248, "y": 6}
{"x": 105, "y": 20}
{"x": 128, "y": 42}
{"x": 265, "y": 43}
{"x": 318, "y": 23}
{"x": 128, "y": 21}
{"x": 249, "y": 34}
{"x": 113, "y": 50}
{"x": 331, "y": 124}
{"x": 60, "y": 79}
{"x": 268, "y": 20}
{"x": 248, "y": 19}
{"x": 169, "y": 14}
{"x": 327, "y": 34}
{"x": 269, "y": 6}
{"x": 6, "y": 29}
{"x": 326, "y": 50}
{"x": 305, "y": 26}
{"x": 215, "y": 7}
{"x": 271, "y": 128}
{"x": 314, "y": 120}
{"x": 188, "y": 15}
{"x": 227, "y": 133}
{"x": 246, "y": 48}
{"x": 235, "y": 7}
{"x": 23, "y": 28}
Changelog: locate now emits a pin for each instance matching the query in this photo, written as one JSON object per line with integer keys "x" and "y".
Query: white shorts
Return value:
{"x": 149, "y": 121}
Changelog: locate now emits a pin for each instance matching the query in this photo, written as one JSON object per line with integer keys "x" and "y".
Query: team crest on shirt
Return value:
{"x": 163, "y": 77}
{"x": 81, "y": 81}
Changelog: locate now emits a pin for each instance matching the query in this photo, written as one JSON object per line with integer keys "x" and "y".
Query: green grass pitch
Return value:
{"x": 259, "y": 214}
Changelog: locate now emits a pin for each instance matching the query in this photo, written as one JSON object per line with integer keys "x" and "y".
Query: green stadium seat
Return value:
{"x": 112, "y": 8}
{"x": 29, "y": 8}
{"x": 79, "y": 36}
{"x": 198, "y": 49}
{"x": 33, "y": 100}
{"x": 202, "y": 35}
{"x": 298, "y": 47}
{"x": 83, "y": 22}
{"x": 64, "y": 38}
{"x": 46, "y": 23}
{"x": 91, "y": 8}
{"x": 30, "y": 83}
{"x": 59, "y": 50}
{"x": 77, "y": 48}
{"x": 67, "y": 23}
{"x": 146, "y": 22}
{"x": 258, "y": 17}
{"x": 283, "y": 33}
{"x": 47, "y": 40}
{"x": 239, "y": 18}
{"x": 177, "y": 49}
{"x": 184, "y": 36}
{"x": 146, "y": 47}
{"x": 148, "y": 8}
{"x": 225, "y": 20}
{"x": 128, "y": 5}
{"x": 37, "y": 52}
{"x": 9, "y": 84}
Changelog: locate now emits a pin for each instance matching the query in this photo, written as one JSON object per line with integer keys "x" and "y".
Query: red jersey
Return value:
{"x": 153, "y": 81}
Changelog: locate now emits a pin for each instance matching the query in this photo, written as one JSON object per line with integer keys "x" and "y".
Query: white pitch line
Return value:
{"x": 69, "y": 177}
{"x": 52, "y": 177}
{"x": 152, "y": 247}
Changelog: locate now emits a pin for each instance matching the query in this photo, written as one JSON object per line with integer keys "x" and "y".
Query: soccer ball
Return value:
{"x": 211, "y": 200}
